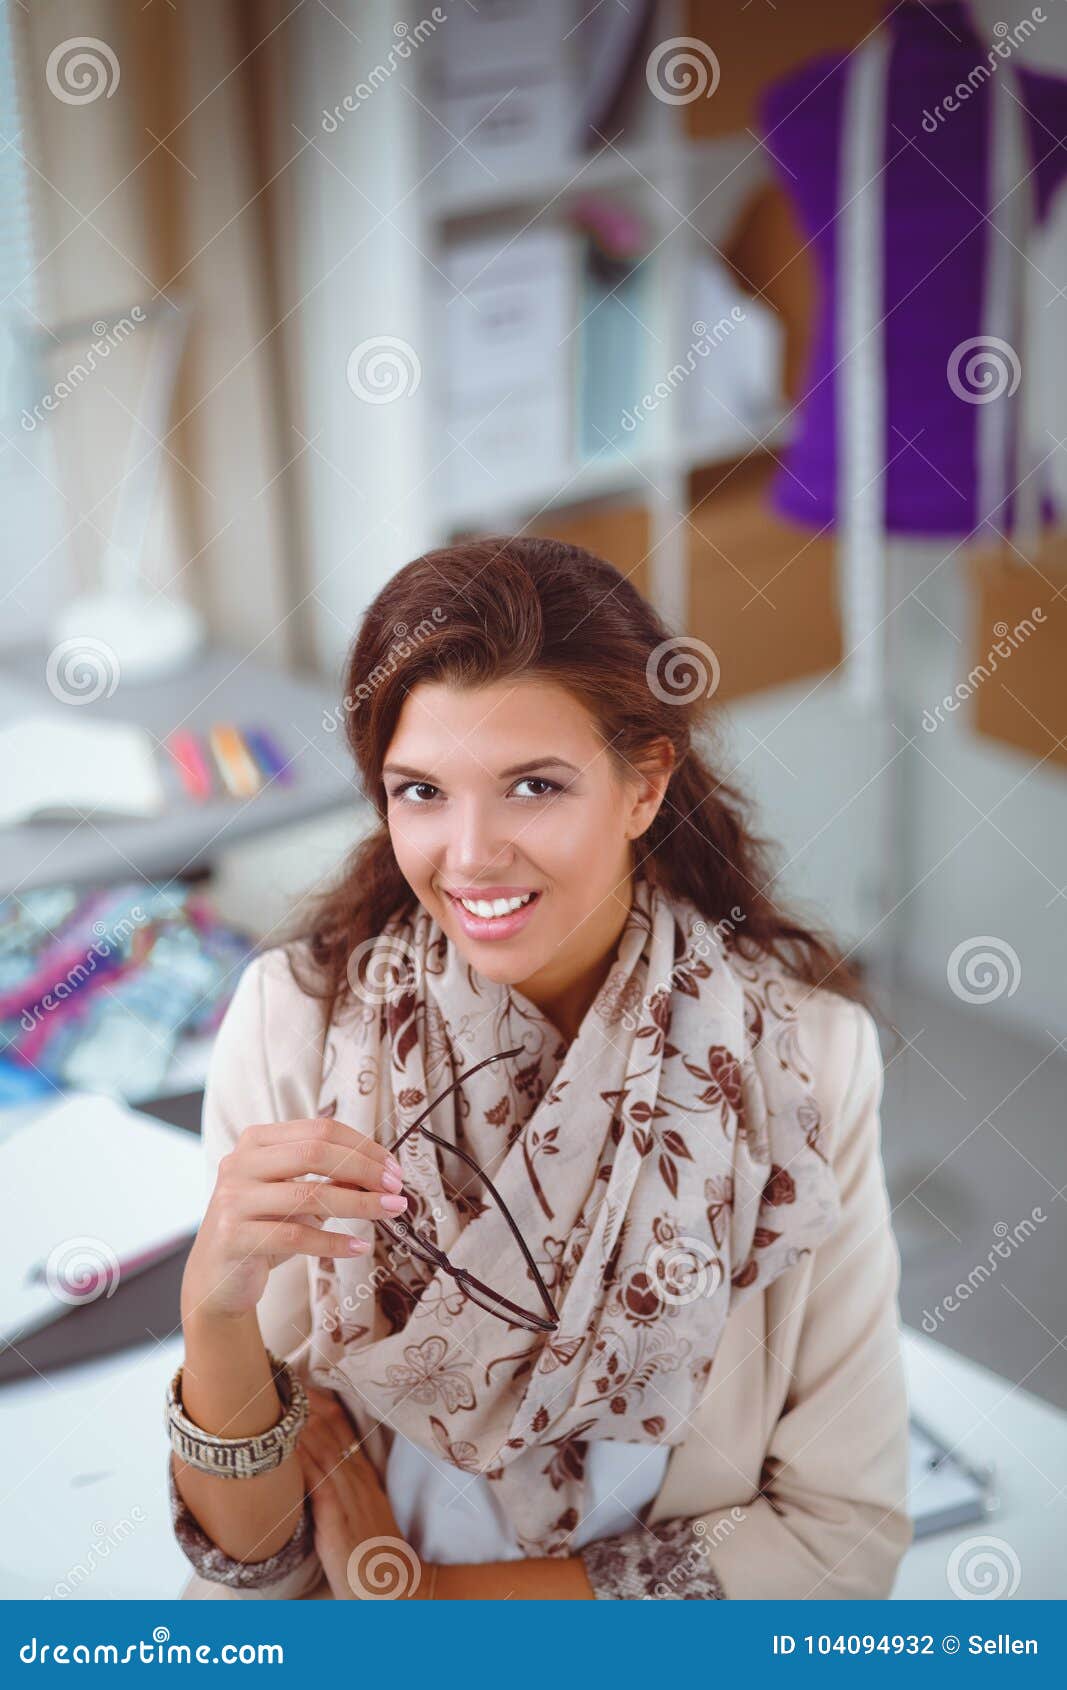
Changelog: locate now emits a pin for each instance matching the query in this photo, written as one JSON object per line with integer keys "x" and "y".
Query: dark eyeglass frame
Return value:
{"x": 403, "y": 1233}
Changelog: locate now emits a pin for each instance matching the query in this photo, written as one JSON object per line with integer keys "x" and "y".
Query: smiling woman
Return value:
{"x": 558, "y": 950}
{"x": 527, "y": 860}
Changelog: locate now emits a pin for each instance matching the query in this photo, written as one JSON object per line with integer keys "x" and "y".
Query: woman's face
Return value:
{"x": 506, "y": 792}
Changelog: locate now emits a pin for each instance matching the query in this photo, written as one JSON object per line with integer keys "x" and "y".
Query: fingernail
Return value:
{"x": 391, "y": 1181}
{"x": 357, "y": 1246}
{"x": 391, "y": 1162}
{"x": 393, "y": 1205}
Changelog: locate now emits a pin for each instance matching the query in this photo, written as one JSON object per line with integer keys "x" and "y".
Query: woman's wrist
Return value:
{"x": 228, "y": 1390}
{"x": 200, "y": 1298}
{"x": 227, "y": 1379}
{"x": 549, "y": 1579}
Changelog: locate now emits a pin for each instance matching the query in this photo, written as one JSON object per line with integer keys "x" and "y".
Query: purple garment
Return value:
{"x": 936, "y": 249}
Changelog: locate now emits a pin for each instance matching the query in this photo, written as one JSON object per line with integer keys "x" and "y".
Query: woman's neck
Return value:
{"x": 566, "y": 1001}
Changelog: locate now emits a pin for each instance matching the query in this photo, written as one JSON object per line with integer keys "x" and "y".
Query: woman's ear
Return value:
{"x": 650, "y": 775}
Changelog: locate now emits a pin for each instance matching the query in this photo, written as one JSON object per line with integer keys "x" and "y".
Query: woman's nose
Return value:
{"x": 477, "y": 846}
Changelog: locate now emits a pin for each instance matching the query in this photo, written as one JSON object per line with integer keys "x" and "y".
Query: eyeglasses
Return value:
{"x": 404, "y": 1234}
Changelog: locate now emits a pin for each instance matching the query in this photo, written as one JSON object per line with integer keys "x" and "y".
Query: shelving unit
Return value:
{"x": 650, "y": 164}
{"x": 375, "y": 214}
{"x": 651, "y": 167}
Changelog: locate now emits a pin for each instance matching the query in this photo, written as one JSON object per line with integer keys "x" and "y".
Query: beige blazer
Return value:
{"x": 798, "y": 1452}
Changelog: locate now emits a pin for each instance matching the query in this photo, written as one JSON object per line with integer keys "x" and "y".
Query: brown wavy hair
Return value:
{"x": 481, "y": 611}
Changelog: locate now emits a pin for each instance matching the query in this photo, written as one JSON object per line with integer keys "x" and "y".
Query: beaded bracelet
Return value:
{"x": 239, "y": 1458}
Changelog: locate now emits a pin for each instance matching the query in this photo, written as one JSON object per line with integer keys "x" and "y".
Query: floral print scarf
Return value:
{"x": 663, "y": 1166}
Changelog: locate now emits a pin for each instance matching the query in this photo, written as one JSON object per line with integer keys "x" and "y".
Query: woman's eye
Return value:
{"x": 414, "y": 786}
{"x": 408, "y": 790}
{"x": 538, "y": 780}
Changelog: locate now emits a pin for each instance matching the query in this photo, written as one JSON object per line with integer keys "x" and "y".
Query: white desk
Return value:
{"x": 83, "y": 1495}
{"x": 86, "y": 1515}
{"x": 986, "y": 1419}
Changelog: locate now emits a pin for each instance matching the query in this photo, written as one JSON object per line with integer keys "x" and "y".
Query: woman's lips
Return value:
{"x": 493, "y": 926}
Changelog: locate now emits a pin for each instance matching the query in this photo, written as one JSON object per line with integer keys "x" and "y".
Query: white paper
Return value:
{"x": 53, "y": 765}
{"x": 92, "y": 1188}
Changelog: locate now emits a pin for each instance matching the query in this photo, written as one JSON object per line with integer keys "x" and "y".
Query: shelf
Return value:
{"x": 527, "y": 426}
{"x": 593, "y": 480}
{"x": 607, "y": 170}
{"x": 610, "y": 474}
{"x": 721, "y": 447}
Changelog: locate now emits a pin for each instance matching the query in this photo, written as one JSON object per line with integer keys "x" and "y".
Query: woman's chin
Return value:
{"x": 503, "y": 971}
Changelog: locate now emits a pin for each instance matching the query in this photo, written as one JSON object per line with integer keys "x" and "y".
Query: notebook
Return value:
{"x": 54, "y": 766}
{"x": 96, "y": 1193}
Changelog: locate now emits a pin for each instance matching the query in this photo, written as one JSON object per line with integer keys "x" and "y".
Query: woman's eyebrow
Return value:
{"x": 505, "y": 774}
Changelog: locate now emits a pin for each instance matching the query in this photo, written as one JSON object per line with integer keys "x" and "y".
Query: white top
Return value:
{"x": 449, "y": 1516}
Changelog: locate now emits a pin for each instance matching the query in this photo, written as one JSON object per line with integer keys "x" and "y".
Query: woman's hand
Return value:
{"x": 263, "y": 1208}
{"x": 356, "y": 1535}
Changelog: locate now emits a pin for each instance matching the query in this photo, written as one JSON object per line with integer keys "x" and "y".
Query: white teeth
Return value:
{"x": 497, "y": 906}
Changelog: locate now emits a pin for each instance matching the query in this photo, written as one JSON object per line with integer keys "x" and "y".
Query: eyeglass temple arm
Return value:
{"x": 458, "y": 1081}
{"x": 497, "y": 1056}
{"x": 516, "y": 1234}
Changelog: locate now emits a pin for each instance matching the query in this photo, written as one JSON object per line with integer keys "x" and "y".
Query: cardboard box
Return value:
{"x": 762, "y": 592}
{"x": 504, "y": 136}
{"x": 757, "y": 44}
{"x": 619, "y": 533}
{"x": 493, "y": 452}
{"x": 499, "y": 41}
{"x": 1015, "y": 688}
{"x": 506, "y": 313}
{"x": 771, "y": 257}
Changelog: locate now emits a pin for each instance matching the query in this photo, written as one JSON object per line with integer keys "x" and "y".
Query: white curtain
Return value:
{"x": 148, "y": 150}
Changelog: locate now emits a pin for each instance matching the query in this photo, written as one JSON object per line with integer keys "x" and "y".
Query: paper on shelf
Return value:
{"x": 50, "y": 765}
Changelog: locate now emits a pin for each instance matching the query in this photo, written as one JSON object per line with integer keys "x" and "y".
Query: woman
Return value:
{"x": 651, "y": 1347}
